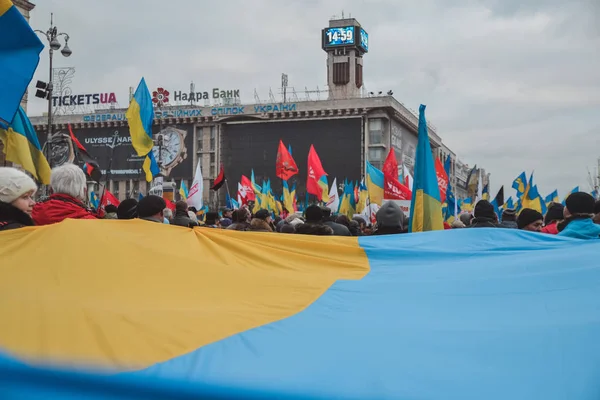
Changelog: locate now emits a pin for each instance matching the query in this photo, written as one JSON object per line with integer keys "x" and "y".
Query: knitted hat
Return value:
{"x": 484, "y": 209}
{"x": 262, "y": 214}
{"x": 528, "y": 216}
{"x": 580, "y": 203}
{"x": 554, "y": 213}
{"x": 127, "y": 209}
{"x": 150, "y": 205}
{"x": 14, "y": 184}
{"x": 510, "y": 214}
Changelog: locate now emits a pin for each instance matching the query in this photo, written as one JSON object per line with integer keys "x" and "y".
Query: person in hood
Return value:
{"x": 127, "y": 209}
{"x": 69, "y": 194}
{"x": 111, "y": 212}
{"x": 313, "y": 224}
{"x": 240, "y": 220}
{"x": 338, "y": 229}
{"x": 261, "y": 222}
{"x": 485, "y": 216}
{"x": 16, "y": 199}
{"x": 530, "y": 220}
{"x": 390, "y": 218}
{"x": 151, "y": 208}
{"x": 509, "y": 219}
{"x": 553, "y": 216}
{"x": 578, "y": 213}
{"x": 181, "y": 217}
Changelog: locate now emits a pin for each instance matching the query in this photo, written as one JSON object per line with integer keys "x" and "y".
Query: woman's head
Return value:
{"x": 17, "y": 189}
{"x": 69, "y": 179}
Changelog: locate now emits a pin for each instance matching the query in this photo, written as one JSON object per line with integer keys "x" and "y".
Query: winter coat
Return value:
{"x": 552, "y": 228}
{"x": 483, "y": 222}
{"x": 338, "y": 229}
{"x": 259, "y": 225}
{"x": 59, "y": 207}
{"x": 182, "y": 218}
{"x": 581, "y": 229}
{"x": 12, "y": 218}
{"x": 508, "y": 225}
{"x": 239, "y": 226}
{"x": 310, "y": 228}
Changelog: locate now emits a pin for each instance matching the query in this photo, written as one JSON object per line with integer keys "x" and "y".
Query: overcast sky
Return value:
{"x": 510, "y": 87}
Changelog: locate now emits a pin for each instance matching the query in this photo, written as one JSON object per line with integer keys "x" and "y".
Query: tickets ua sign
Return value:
{"x": 84, "y": 99}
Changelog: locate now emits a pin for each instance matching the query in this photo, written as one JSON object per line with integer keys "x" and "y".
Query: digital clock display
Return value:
{"x": 339, "y": 36}
{"x": 364, "y": 40}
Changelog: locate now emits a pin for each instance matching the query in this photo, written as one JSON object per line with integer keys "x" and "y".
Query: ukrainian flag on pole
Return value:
{"x": 19, "y": 57}
{"x": 140, "y": 116}
{"x": 426, "y": 206}
{"x": 21, "y": 146}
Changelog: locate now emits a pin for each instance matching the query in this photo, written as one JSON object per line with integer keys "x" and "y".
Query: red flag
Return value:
{"x": 90, "y": 166}
{"x": 219, "y": 180}
{"x": 390, "y": 166}
{"x": 170, "y": 204}
{"x": 247, "y": 188}
{"x": 314, "y": 185}
{"x": 285, "y": 166}
{"x": 109, "y": 198}
{"x": 74, "y": 139}
{"x": 442, "y": 178}
{"x": 394, "y": 190}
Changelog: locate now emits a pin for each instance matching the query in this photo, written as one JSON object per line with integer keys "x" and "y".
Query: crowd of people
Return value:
{"x": 578, "y": 218}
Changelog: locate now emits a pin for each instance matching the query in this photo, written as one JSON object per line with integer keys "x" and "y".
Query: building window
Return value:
{"x": 200, "y": 144}
{"x": 375, "y": 131}
{"x": 212, "y": 171}
{"x": 212, "y": 158}
{"x": 375, "y": 155}
{"x": 128, "y": 188}
{"x": 136, "y": 188}
{"x": 213, "y": 135}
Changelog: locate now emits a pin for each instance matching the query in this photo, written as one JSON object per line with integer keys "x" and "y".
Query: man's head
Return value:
{"x": 555, "y": 213}
{"x": 152, "y": 206}
{"x": 264, "y": 215}
{"x": 314, "y": 214}
{"x": 212, "y": 218}
{"x": 510, "y": 214}
{"x": 485, "y": 209}
{"x": 127, "y": 209}
{"x": 465, "y": 218}
{"x": 579, "y": 204}
{"x": 530, "y": 220}
{"x": 111, "y": 208}
{"x": 326, "y": 213}
{"x": 227, "y": 213}
{"x": 69, "y": 179}
{"x": 181, "y": 207}
{"x": 390, "y": 216}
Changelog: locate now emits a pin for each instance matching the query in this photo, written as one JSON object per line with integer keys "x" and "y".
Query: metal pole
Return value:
{"x": 50, "y": 88}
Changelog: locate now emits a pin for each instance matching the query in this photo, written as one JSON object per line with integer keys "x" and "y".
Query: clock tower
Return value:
{"x": 345, "y": 43}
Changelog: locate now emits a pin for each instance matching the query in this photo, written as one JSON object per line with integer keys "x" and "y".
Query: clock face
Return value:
{"x": 172, "y": 146}
{"x": 339, "y": 36}
{"x": 60, "y": 151}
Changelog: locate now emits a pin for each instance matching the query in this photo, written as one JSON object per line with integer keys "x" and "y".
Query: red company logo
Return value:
{"x": 160, "y": 96}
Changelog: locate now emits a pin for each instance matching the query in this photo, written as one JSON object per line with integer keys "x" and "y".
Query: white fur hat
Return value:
{"x": 14, "y": 184}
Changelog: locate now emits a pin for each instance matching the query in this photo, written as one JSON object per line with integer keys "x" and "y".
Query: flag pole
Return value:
{"x": 228, "y": 194}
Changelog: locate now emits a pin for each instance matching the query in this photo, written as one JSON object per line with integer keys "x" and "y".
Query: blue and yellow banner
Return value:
{"x": 22, "y": 147}
{"x": 19, "y": 57}
{"x": 374, "y": 182}
{"x": 295, "y": 316}
{"x": 426, "y": 206}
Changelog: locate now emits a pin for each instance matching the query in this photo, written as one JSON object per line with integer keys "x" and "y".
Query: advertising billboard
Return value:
{"x": 112, "y": 149}
{"x": 248, "y": 146}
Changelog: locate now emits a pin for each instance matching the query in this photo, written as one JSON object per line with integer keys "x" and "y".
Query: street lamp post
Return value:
{"x": 52, "y": 36}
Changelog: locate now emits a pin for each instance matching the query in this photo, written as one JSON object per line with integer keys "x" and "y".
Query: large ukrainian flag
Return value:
{"x": 19, "y": 57}
{"x": 21, "y": 146}
{"x": 140, "y": 117}
{"x": 426, "y": 206}
{"x": 462, "y": 314}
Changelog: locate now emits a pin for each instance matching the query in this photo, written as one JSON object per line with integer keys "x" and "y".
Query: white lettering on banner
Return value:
{"x": 311, "y": 173}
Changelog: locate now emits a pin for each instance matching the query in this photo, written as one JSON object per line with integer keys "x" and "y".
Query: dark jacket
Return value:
{"x": 508, "y": 225}
{"x": 259, "y": 225}
{"x": 483, "y": 222}
{"x": 310, "y": 228}
{"x": 239, "y": 226}
{"x": 12, "y": 218}
{"x": 338, "y": 229}
{"x": 182, "y": 218}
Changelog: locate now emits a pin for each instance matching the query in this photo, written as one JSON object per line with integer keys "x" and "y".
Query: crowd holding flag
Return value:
{"x": 21, "y": 145}
{"x": 219, "y": 180}
{"x": 196, "y": 191}
{"x": 20, "y": 48}
{"x": 334, "y": 198}
{"x": 140, "y": 116}
{"x": 183, "y": 191}
{"x": 89, "y": 164}
{"x": 552, "y": 198}
{"x": 375, "y": 183}
{"x": 285, "y": 166}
